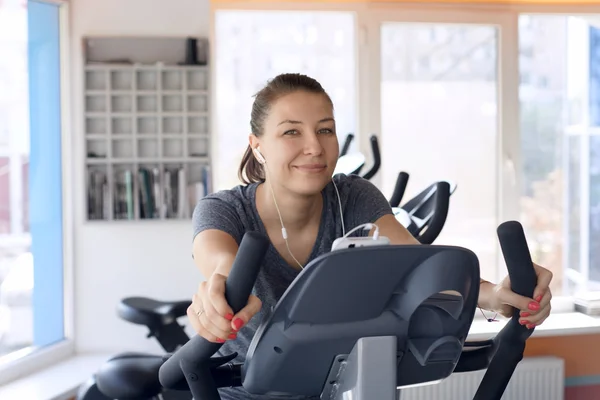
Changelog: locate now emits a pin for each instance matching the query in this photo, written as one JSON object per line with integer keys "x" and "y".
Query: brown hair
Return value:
{"x": 250, "y": 171}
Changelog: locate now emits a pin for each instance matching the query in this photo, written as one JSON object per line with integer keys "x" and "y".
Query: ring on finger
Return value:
{"x": 199, "y": 313}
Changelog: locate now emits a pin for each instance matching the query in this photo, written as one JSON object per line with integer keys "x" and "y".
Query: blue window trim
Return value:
{"x": 45, "y": 172}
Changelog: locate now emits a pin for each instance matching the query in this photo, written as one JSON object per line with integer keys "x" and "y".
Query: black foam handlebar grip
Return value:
{"x": 518, "y": 259}
{"x": 238, "y": 288}
{"x": 347, "y": 144}
{"x": 376, "y": 158}
{"x": 509, "y": 344}
{"x": 440, "y": 213}
{"x": 399, "y": 189}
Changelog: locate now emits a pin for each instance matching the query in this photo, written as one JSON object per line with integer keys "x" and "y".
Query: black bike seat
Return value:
{"x": 149, "y": 312}
{"x": 130, "y": 376}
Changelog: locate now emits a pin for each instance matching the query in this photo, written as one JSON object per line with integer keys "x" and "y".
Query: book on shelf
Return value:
{"x": 157, "y": 194}
{"x": 98, "y": 196}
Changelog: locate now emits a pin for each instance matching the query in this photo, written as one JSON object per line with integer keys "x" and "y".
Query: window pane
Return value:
{"x": 439, "y": 85}
{"x": 560, "y": 102}
{"x": 594, "y": 218}
{"x": 255, "y": 46}
{"x": 31, "y": 293}
{"x": 16, "y": 269}
{"x": 543, "y": 97}
{"x": 594, "y": 143}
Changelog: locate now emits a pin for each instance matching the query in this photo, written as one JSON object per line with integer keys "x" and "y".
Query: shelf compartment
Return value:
{"x": 172, "y": 103}
{"x": 147, "y": 148}
{"x": 198, "y": 125}
{"x": 172, "y": 147}
{"x": 122, "y": 126}
{"x": 197, "y": 103}
{"x": 172, "y": 80}
{"x": 121, "y": 103}
{"x": 121, "y": 79}
{"x": 172, "y": 125}
{"x": 95, "y": 103}
{"x": 147, "y": 103}
{"x": 122, "y": 148}
{"x": 147, "y": 125}
{"x": 197, "y": 79}
{"x": 95, "y": 80}
{"x": 147, "y": 80}
{"x": 96, "y": 148}
{"x": 95, "y": 126}
{"x": 198, "y": 146}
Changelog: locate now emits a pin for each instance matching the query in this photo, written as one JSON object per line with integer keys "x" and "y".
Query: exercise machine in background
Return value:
{"x": 352, "y": 164}
{"x": 425, "y": 215}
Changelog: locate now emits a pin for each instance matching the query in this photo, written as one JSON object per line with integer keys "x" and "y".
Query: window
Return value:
{"x": 31, "y": 237}
{"x": 254, "y": 46}
{"x": 560, "y": 149}
{"x": 439, "y": 122}
{"x": 445, "y": 78}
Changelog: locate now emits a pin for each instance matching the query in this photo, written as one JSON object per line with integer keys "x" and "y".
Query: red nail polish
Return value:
{"x": 238, "y": 323}
{"x": 233, "y": 336}
{"x": 530, "y": 326}
{"x": 220, "y": 340}
{"x": 525, "y": 314}
{"x": 522, "y": 322}
{"x": 229, "y": 316}
{"x": 539, "y": 298}
{"x": 534, "y": 306}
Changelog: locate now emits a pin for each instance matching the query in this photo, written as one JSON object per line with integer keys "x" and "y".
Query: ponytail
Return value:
{"x": 250, "y": 170}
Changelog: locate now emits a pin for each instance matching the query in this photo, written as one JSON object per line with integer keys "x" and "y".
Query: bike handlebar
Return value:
{"x": 347, "y": 144}
{"x": 376, "y": 158}
{"x": 399, "y": 189}
{"x": 197, "y": 352}
{"x": 439, "y": 214}
{"x": 508, "y": 346}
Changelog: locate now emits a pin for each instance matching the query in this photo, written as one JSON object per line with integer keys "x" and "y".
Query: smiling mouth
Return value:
{"x": 311, "y": 167}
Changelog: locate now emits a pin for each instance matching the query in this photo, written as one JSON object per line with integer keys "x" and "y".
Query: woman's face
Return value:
{"x": 299, "y": 142}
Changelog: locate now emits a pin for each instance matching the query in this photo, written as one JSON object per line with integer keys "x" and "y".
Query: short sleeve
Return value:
{"x": 365, "y": 203}
{"x": 217, "y": 213}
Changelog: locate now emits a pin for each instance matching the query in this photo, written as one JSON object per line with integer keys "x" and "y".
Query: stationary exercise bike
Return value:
{"x": 360, "y": 323}
{"x": 352, "y": 164}
{"x": 425, "y": 214}
{"x": 161, "y": 317}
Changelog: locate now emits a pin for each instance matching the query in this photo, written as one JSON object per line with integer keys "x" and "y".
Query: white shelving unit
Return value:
{"x": 147, "y": 140}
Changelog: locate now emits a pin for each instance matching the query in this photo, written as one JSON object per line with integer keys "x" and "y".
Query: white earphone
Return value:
{"x": 259, "y": 156}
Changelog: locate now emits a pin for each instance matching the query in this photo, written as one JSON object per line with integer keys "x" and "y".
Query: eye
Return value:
{"x": 290, "y": 132}
{"x": 326, "y": 131}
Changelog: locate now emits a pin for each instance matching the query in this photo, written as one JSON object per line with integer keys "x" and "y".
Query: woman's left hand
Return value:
{"x": 533, "y": 311}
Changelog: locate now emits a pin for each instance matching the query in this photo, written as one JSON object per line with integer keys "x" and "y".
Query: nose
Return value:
{"x": 312, "y": 145}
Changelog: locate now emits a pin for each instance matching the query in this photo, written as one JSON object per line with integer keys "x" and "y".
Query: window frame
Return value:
{"x": 369, "y": 14}
{"x": 507, "y": 145}
{"x": 31, "y": 359}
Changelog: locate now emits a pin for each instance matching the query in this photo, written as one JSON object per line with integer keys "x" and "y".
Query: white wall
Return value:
{"x": 115, "y": 260}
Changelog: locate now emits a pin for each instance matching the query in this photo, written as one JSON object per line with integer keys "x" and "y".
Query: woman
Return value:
{"x": 291, "y": 196}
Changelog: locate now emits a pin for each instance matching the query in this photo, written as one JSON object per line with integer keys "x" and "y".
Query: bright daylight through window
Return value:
{"x": 31, "y": 265}
{"x": 439, "y": 84}
{"x": 254, "y": 46}
{"x": 560, "y": 145}
{"x": 439, "y": 120}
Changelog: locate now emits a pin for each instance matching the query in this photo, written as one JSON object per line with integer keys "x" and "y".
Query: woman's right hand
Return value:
{"x": 212, "y": 317}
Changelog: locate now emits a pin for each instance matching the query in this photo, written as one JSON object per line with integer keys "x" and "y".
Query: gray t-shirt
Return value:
{"x": 234, "y": 212}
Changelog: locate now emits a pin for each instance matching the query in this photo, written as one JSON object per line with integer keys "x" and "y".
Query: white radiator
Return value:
{"x": 534, "y": 378}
